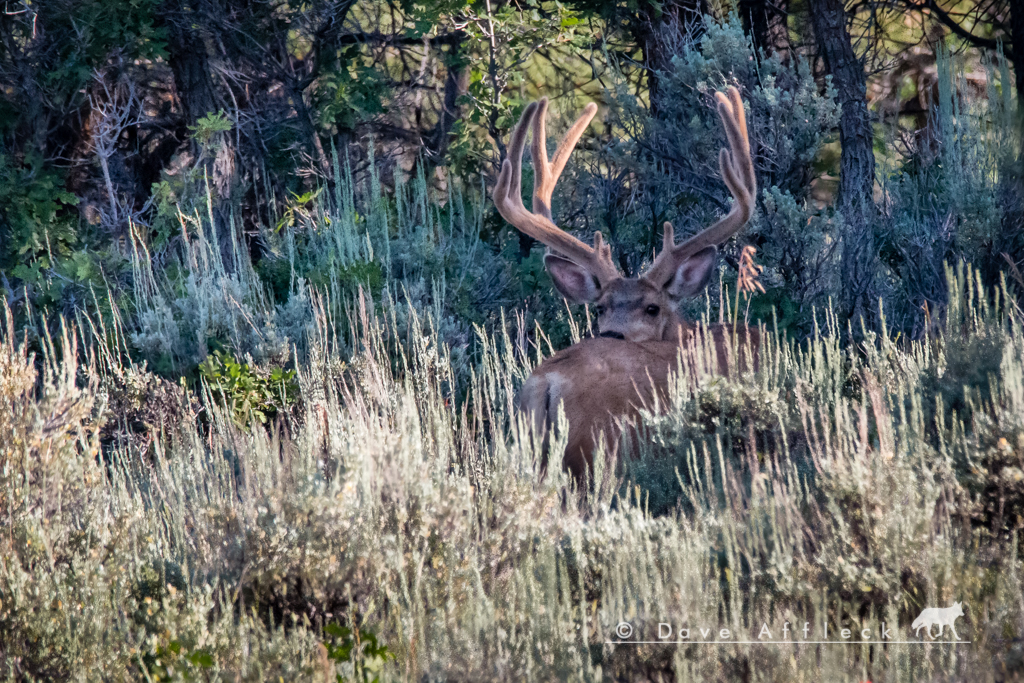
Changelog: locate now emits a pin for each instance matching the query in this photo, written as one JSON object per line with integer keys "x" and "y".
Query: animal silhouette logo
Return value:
{"x": 941, "y": 616}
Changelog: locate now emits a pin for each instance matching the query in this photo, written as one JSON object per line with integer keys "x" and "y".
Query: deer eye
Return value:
{"x": 598, "y": 311}
{"x": 653, "y": 310}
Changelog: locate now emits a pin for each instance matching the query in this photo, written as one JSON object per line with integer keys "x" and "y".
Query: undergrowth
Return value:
{"x": 856, "y": 491}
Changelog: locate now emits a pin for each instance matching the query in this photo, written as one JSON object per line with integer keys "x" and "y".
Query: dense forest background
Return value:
{"x": 886, "y": 136}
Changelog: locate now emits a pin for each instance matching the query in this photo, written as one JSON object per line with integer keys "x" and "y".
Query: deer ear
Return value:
{"x": 692, "y": 275}
{"x": 572, "y": 280}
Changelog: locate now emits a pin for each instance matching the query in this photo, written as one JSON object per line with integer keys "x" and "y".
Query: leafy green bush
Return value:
{"x": 175, "y": 661}
{"x": 39, "y": 241}
{"x": 358, "y": 648}
{"x": 246, "y": 391}
{"x": 351, "y": 93}
{"x": 36, "y": 223}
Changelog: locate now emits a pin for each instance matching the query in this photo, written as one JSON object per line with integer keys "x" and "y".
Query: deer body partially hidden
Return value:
{"x": 601, "y": 380}
{"x": 602, "y": 384}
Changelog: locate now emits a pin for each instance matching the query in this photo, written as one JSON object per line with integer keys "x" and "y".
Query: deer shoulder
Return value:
{"x": 603, "y": 384}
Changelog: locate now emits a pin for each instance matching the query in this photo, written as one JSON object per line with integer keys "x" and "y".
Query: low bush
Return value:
{"x": 248, "y": 393}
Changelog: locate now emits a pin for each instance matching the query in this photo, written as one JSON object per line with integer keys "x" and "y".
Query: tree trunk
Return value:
{"x": 307, "y": 123}
{"x": 1017, "y": 44}
{"x": 765, "y": 22}
{"x": 456, "y": 83}
{"x": 193, "y": 82}
{"x": 658, "y": 31}
{"x": 189, "y": 62}
{"x": 857, "y": 163}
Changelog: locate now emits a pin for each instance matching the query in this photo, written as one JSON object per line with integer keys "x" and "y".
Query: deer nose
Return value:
{"x": 613, "y": 335}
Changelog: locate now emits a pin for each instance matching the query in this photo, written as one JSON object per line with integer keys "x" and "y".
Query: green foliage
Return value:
{"x": 350, "y": 93}
{"x": 37, "y": 226}
{"x": 360, "y": 648}
{"x": 43, "y": 247}
{"x": 366, "y": 274}
{"x": 174, "y": 661}
{"x": 501, "y": 39}
{"x": 788, "y": 114}
{"x": 799, "y": 246}
{"x": 170, "y": 195}
{"x": 955, "y": 196}
{"x": 299, "y": 209}
{"x": 249, "y": 392}
{"x": 276, "y": 274}
{"x": 99, "y": 28}
{"x": 207, "y": 127}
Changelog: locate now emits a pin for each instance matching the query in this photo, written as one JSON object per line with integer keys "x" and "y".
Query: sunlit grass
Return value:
{"x": 827, "y": 486}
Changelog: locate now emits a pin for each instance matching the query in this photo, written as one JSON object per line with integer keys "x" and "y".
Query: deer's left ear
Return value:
{"x": 692, "y": 275}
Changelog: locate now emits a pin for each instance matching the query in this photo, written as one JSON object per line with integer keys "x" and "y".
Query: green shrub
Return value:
{"x": 39, "y": 241}
{"x": 175, "y": 661}
{"x": 953, "y": 197}
{"x": 249, "y": 392}
{"x": 360, "y": 649}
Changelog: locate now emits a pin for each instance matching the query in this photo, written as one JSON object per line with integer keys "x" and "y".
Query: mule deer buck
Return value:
{"x": 602, "y": 380}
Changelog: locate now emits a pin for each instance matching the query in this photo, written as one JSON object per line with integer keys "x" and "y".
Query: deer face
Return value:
{"x": 636, "y": 309}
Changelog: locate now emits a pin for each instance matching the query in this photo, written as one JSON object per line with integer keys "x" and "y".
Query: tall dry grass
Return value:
{"x": 847, "y": 485}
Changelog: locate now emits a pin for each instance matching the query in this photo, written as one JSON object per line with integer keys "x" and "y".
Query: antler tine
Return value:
{"x": 508, "y": 190}
{"x": 737, "y": 170}
{"x": 545, "y": 175}
{"x": 515, "y": 148}
{"x": 508, "y": 197}
{"x": 746, "y": 164}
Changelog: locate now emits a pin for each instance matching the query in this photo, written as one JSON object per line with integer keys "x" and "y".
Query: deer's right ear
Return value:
{"x": 572, "y": 280}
